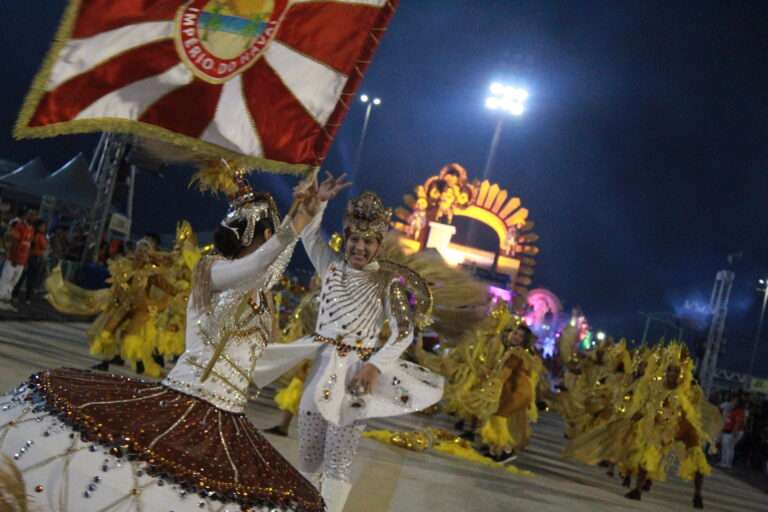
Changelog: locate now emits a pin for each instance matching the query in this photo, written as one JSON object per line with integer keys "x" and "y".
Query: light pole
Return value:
{"x": 764, "y": 289}
{"x": 507, "y": 100}
{"x": 370, "y": 103}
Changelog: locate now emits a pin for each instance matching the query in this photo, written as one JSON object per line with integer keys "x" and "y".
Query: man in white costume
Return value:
{"x": 364, "y": 325}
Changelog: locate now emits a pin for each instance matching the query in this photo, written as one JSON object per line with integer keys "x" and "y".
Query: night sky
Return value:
{"x": 642, "y": 157}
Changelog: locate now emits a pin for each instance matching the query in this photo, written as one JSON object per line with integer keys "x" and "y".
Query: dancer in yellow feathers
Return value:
{"x": 145, "y": 320}
{"x": 662, "y": 415}
{"x": 173, "y": 319}
{"x": 128, "y": 327}
{"x": 508, "y": 428}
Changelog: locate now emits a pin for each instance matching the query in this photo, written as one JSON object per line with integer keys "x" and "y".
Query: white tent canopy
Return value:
{"x": 71, "y": 184}
{"x": 26, "y": 176}
{"x": 7, "y": 166}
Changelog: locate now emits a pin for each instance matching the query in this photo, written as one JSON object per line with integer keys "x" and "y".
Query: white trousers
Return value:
{"x": 323, "y": 446}
{"x": 327, "y": 448}
{"x": 728, "y": 445}
{"x": 9, "y": 278}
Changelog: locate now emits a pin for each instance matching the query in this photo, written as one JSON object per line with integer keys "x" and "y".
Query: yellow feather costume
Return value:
{"x": 146, "y": 314}
{"x": 71, "y": 299}
{"x": 661, "y": 414}
{"x": 171, "y": 322}
{"x": 468, "y": 364}
{"x": 491, "y": 384}
{"x": 508, "y": 428}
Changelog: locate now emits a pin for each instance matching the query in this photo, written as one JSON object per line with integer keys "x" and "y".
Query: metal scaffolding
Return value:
{"x": 718, "y": 305}
{"x": 105, "y": 167}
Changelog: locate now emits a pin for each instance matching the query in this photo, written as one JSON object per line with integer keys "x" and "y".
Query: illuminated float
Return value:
{"x": 547, "y": 319}
{"x": 430, "y": 220}
{"x": 444, "y": 214}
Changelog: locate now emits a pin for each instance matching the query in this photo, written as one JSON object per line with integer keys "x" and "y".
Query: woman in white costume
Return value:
{"x": 355, "y": 375}
{"x": 87, "y": 441}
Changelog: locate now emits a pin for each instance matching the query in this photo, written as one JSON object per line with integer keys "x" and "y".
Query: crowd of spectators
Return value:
{"x": 29, "y": 250}
{"x": 744, "y": 439}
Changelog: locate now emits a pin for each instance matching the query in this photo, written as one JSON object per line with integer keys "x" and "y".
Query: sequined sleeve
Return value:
{"x": 244, "y": 273}
{"x": 401, "y": 325}
{"x": 320, "y": 254}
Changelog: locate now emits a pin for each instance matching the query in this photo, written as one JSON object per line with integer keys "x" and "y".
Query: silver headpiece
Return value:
{"x": 251, "y": 207}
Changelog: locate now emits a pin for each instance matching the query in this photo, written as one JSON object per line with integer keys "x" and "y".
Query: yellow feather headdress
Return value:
{"x": 217, "y": 177}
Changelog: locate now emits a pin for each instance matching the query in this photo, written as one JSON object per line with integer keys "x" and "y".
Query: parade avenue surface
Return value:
{"x": 393, "y": 479}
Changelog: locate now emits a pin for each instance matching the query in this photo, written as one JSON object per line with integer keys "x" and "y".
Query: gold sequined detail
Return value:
{"x": 401, "y": 310}
{"x": 343, "y": 349}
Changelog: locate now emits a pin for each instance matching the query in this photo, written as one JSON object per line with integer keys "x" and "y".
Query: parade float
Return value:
{"x": 483, "y": 227}
{"x": 448, "y": 201}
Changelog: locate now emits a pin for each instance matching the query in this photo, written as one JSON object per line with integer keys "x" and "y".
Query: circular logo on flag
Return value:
{"x": 219, "y": 39}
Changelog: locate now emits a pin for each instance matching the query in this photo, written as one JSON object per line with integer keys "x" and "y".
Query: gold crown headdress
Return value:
{"x": 366, "y": 216}
{"x": 251, "y": 207}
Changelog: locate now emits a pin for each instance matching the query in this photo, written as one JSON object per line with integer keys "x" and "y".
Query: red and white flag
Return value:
{"x": 270, "y": 80}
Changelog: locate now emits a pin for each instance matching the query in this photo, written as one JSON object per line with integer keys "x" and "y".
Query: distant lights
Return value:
{"x": 365, "y": 99}
{"x": 507, "y": 98}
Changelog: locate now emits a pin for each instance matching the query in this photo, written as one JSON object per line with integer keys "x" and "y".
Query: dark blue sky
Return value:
{"x": 642, "y": 157}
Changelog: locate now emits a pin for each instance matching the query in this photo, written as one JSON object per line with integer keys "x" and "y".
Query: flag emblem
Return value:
{"x": 219, "y": 39}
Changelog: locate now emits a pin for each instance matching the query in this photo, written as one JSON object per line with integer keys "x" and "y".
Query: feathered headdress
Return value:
{"x": 217, "y": 177}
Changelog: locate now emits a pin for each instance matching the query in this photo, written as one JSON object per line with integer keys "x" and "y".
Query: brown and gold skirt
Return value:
{"x": 180, "y": 438}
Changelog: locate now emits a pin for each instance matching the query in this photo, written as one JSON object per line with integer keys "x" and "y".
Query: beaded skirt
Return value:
{"x": 74, "y": 433}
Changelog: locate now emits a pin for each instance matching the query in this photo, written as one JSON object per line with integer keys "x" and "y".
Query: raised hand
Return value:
{"x": 325, "y": 191}
{"x": 331, "y": 186}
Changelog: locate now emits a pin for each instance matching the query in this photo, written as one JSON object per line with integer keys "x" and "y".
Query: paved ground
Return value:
{"x": 39, "y": 309}
{"x": 391, "y": 479}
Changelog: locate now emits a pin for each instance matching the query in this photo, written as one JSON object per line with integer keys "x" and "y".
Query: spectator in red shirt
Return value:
{"x": 733, "y": 431}
{"x": 35, "y": 271}
{"x": 19, "y": 251}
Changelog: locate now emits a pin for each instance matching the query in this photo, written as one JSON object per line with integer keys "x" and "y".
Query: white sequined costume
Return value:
{"x": 88, "y": 441}
{"x": 354, "y": 307}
